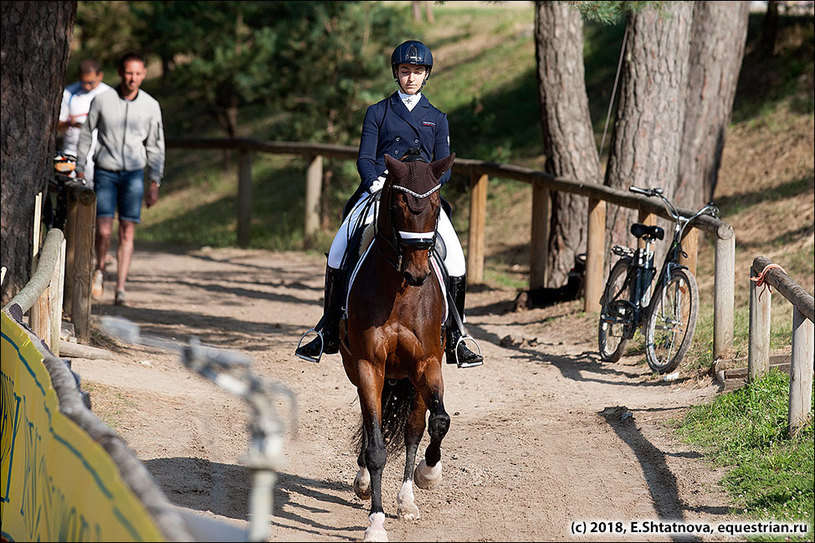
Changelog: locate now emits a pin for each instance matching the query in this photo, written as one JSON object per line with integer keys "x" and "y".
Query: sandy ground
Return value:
{"x": 543, "y": 435}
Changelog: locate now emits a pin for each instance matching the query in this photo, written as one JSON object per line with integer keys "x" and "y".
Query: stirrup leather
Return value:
{"x": 461, "y": 364}
{"x": 300, "y": 343}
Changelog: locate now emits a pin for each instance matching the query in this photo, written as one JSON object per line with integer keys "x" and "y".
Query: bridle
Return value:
{"x": 400, "y": 239}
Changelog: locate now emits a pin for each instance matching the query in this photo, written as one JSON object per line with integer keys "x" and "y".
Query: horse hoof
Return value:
{"x": 372, "y": 534}
{"x": 407, "y": 511}
{"x": 425, "y": 477}
{"x": 362, "y": 484}
{"x": 376, "y": 530}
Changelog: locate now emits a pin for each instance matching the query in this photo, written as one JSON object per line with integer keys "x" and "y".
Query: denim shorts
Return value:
{"x": 122, "y": 191}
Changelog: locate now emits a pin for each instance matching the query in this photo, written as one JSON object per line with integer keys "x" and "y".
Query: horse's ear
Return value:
{"x": 397, "y": 168}
{"x": 440, "y": 166}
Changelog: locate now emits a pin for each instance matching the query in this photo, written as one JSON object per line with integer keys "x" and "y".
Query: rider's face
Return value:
{"x": 411, "y": 77}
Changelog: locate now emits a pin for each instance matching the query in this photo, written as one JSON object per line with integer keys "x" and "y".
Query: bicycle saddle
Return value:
{"x": 647, "y": 232}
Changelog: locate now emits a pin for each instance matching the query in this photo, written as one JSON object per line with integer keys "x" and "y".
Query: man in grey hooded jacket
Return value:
{"x": 130, "y": 139}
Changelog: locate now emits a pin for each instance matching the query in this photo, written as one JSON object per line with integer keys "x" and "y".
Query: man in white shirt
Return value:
{"x": 76, "y": 102}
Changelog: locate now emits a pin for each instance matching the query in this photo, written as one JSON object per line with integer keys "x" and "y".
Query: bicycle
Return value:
{"x": 667, "y": 314}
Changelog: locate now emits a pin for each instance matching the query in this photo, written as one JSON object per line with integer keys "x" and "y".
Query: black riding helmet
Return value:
{"x": 412, "y": 52}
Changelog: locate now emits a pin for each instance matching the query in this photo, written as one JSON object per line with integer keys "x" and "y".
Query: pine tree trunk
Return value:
{"x": 650, "y": 116}
{"x": 718, "y": 37}
{"x": 568, "y": 138}
{"x": 35, "y": 46}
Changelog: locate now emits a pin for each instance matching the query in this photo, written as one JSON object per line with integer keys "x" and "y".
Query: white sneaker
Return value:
{"x": 96, "y": 288}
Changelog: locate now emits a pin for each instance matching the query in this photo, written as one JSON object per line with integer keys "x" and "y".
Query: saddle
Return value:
{"x": 357, "y": 250}
{"x": 643, "y": 231}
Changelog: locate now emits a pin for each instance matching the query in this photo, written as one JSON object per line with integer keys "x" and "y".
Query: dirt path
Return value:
{"x": 542, "y": 435}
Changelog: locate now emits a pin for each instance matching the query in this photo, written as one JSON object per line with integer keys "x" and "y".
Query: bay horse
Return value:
{"x": 391, "y": 339}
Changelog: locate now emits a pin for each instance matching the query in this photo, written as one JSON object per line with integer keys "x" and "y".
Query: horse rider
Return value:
{"x": 405, "y": 123}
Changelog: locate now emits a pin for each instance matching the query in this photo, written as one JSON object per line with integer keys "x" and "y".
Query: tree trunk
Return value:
{"x": 769, "y": 28}
{"x": 648, "y": 126}
{"x": 568, "y": 138}
{"x": 718, "y": 36}
{"x": 35, "y": 46}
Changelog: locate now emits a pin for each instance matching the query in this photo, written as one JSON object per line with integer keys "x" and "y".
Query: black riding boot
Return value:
{"x": 466, "y": 358}
{"x": 329, "y": 324}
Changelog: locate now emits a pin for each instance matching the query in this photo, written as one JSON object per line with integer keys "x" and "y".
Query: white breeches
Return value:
{"x": 454, "y": 261}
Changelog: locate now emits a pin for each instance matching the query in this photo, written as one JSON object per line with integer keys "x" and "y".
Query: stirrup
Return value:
{"x": 322, "y": 345}
{"x": 461, "y": 364}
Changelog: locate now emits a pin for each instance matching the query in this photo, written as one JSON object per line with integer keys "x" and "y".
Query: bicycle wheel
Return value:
{"x": 671, "y": 321}
{"x": 610, "y": 332}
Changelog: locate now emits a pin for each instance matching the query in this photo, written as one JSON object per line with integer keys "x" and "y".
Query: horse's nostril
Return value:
{"x": 414, "y": 280}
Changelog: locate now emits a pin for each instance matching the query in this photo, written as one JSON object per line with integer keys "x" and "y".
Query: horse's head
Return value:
{"x": 409, "y": 213}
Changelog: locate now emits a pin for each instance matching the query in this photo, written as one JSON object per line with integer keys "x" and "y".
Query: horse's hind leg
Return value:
{"x": 414, "y": 430}
{"x": 428, "y": 472}
{"x": 362, "y": 482}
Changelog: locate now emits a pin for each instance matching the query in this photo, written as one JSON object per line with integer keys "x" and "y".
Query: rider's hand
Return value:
{"x": 152, "y": 194}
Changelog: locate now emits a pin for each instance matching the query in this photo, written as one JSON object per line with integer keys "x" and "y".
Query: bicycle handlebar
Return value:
{"x": 708, "y": 208}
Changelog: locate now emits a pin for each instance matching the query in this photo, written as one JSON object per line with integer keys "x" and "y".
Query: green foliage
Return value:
{"x": 610, "y": 12}
{"x": 106, "y": 32}
{"x": 318, "y": 64}
{"x": 313, "y": 60}
{"x": 771, "y": 475}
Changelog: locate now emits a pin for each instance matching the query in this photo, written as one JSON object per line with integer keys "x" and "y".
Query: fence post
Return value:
{"x": 83, "y": 234}
{"x": 596, "y": 244}
{"x": 244, "y": 197}
{"x": 690, "y": 244}
{"x": 475, "y": 234}
{"x": 723, "y": 291}
{"x": 539, "y": 239}
{"x": 70, "y": 249}
{"x": 758, "y": 354}
{"x": 314, "y": 183}
{"x": 800, "y": 371}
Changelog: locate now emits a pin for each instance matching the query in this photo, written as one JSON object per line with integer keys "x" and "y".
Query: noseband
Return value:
{"x": 401, "y": 239}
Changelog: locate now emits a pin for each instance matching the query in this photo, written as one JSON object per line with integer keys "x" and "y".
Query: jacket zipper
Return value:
{"x": 124, "y": 135}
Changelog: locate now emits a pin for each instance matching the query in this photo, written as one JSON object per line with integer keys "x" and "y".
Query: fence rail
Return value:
{"x": 543, "y": 184}
{"x": 803, "y": 315}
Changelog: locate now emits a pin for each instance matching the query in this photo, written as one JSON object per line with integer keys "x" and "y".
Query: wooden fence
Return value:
{"x": 803, "y": 316}
{"x": 543, "y": 184}
{"x": 61, "y": 282}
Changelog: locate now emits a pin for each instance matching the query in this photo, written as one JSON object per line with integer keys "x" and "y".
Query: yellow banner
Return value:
{"x": 57, "y": 483}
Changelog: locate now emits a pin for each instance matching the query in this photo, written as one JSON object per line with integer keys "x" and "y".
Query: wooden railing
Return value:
{"x": 803, "y": 316}
{"x": 41, "y": 297}
{"x": 543, "y": 184}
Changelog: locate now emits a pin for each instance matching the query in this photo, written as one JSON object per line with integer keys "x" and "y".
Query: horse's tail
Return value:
{"x": 397, "y": 400}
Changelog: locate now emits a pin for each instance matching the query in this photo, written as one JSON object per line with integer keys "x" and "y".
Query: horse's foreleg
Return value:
{"x": 428, "y": 472}
{"x": 414, "y": 430}
{"x": 370, "y": 394}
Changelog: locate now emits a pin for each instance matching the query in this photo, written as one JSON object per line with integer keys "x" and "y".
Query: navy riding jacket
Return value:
{"x": 390, "y": 128}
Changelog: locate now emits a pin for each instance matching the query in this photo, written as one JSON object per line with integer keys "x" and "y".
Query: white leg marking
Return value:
{"x": 376, "y": 531}
{"x": 406, "y": 509}
{"x": 426, "y": 477}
